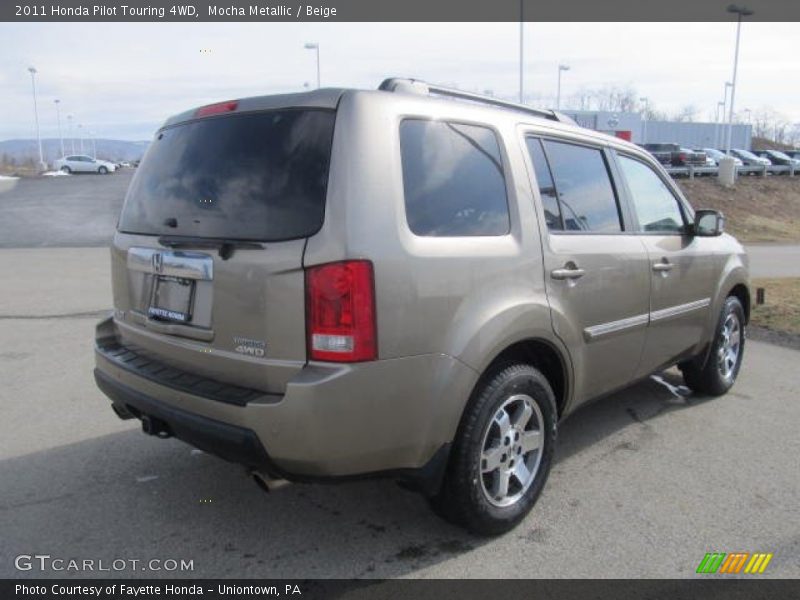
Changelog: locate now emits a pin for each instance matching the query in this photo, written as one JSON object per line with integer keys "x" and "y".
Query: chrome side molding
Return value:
{"x": 596, "y": 331}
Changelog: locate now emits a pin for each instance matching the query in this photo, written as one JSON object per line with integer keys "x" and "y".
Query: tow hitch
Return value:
{"x": 156, "y": 427}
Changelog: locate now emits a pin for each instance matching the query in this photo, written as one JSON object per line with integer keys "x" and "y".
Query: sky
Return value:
{"x": 122, "y": 80}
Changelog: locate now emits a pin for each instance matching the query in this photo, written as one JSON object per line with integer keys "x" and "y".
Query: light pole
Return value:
{"x": 69, "y": 133}
{"x": 58, "y": 117}
{"x": 80, "y": 135}
{"x": 32, "y": 71}
{"x": 94, "y": 147}
{"x": 739, "y": 11}
{"x": 561, "y": 69}
{"x": 314, "y": 46}
{"x": 521, "y": 50}
{"x": 646, "y": 103}
{"x": 717, "y": 140}
{"x": 728, "y": 86}
{"x": 748, "y": 112}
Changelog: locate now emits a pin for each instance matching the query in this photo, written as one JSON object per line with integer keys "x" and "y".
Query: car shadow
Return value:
{"x": 127, "y": 496}
{"x": 635, "y": 406}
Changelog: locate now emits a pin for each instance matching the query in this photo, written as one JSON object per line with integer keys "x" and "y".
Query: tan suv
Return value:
{"x": 412, "y": 282}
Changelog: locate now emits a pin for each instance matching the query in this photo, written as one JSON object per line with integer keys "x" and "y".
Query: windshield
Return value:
{"x": 780, "y": 155}
{"x": 256, "y": 176}
{"x": 746, "y": 154}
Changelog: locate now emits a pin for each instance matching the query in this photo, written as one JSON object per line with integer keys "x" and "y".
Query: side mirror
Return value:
{"x": 708, "y": 223}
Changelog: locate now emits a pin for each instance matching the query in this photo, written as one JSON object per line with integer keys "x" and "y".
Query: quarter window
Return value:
{"x": 453, "y": 179}
{"x": 656, "y": 207}
{"x": 585, "y": 194}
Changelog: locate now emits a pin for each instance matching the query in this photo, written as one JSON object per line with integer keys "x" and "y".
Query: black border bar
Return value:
{"x": 392, "y": 10}
{"x": 706, "y": 588}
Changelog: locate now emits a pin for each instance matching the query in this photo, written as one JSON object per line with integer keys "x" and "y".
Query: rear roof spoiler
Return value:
{"x": 415, "y": 86}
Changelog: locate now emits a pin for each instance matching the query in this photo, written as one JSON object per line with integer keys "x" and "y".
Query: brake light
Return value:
{"x": 340, "y": 312}
{"x": 215, "y": 109}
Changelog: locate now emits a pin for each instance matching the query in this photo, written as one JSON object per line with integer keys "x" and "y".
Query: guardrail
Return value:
{"x": 691, "y": 171}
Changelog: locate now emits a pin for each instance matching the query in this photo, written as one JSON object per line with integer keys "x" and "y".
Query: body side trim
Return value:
{"x": 680, "y": 309}
{"x": 596, "y": 331}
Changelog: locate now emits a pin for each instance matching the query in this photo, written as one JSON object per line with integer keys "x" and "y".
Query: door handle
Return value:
{"x": 662, "y": 267}
{"x": 572, "y": 272}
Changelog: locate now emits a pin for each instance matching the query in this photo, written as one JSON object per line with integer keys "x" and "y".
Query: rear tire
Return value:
{"x": 502, "y": 453}
{"x": 719, "y": 373}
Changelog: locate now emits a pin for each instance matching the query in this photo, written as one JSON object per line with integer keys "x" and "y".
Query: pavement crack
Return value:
{"x": 11, "y": 506}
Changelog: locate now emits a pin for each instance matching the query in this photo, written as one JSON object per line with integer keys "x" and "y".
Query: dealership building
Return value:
{"x": 632, "y": 127}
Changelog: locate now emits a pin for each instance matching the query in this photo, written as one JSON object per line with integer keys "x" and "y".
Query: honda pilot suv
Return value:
{"x": 411, "y": 282}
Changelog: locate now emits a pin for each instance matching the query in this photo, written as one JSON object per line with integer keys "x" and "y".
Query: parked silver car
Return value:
{"x": 750, "y": 159}
{"x": 80, "y": 163}
{"x": 718, "y": 155}
{"x": 411, "y": 282}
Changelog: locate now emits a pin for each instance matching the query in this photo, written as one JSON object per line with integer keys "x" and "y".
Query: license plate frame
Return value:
{"x": 172, "y": 299}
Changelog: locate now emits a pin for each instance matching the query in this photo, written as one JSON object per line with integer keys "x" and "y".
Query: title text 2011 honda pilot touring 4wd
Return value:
{"x": 412, "y": 282}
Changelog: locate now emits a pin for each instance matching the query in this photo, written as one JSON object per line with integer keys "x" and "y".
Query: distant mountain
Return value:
{"x": 115, "y": 150}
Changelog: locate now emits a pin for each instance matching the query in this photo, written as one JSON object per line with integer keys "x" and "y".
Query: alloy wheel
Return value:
{"x": 512, "y": 450}
{"x": 730, "y": 346}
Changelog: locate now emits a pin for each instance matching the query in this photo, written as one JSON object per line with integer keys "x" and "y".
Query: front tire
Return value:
{"x": 66, "y": 169}
{"x": 102, "y": 171}
{"x": 719, "y": 373}
{"x": 502, "y": 453}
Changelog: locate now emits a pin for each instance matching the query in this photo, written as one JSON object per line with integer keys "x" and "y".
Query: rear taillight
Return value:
{"x": 216, "y": 109}
{"x": 340, "y": 309}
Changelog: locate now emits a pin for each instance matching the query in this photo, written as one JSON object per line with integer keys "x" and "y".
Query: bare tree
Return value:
{"x": 687, "y": 114}
{"x": 769, "y": 124}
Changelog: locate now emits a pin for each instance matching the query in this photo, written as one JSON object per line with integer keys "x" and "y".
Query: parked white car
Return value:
{"x": 79, "y": 163}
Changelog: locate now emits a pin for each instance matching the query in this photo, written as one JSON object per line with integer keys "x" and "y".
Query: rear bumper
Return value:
{"x": 232, "y": 443}
{"x": 332, "y": 421}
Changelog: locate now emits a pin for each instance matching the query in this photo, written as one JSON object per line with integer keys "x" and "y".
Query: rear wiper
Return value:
{"x": 225, "y": 246}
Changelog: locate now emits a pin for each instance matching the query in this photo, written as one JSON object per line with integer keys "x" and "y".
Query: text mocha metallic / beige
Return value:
{"x": 412, "y": 282}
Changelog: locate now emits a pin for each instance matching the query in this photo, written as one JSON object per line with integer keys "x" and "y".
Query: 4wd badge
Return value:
{"x": 250, "y": 347}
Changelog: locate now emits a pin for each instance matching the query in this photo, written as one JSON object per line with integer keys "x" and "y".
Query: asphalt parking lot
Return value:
{"x": 64, "y": 211}
{"x": 645, "y": 483}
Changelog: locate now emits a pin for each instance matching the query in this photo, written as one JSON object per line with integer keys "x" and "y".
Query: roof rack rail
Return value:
{"x": 415, "y": 86}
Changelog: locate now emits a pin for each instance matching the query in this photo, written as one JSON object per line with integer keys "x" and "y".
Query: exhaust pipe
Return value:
{"x": 267, "y": 482}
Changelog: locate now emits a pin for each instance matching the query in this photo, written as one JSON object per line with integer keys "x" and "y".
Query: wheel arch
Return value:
{"x": 541, "y": 354}
{"x": 742, "y": 292}
{"x": 736, "y": 283}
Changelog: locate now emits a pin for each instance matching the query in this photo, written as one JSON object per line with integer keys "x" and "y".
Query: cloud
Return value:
{"x": 124, "y": 79}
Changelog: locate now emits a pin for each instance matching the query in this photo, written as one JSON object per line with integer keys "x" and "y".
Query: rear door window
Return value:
{"x": 547, "y": 188}
{"x": 452, "y": 179}
{"x": 586, "y": 196}
{"x": 255, "y": 176}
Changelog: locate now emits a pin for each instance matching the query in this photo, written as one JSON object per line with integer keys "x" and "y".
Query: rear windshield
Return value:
{"x": 258, "y": 176}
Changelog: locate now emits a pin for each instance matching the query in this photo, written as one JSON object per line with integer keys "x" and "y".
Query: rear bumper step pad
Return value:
{"x": 136, "y": 362}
